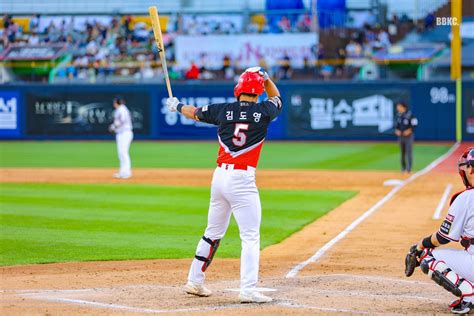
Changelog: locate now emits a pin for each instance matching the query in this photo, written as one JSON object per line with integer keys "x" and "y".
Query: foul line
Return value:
{"x": 442, "y": 202}
{"x": 294, "y": 271}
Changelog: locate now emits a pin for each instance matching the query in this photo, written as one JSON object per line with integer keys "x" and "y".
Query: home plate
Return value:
{"x": 258, "y": 289}
{"x": 393, "y": 182}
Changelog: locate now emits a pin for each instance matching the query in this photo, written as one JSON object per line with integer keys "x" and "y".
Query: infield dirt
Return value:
{"x": 363, "y": 273}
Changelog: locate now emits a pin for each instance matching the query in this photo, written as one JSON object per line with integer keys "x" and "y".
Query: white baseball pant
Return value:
{"x": 233, "y": 192}
{"x": 124, "y": 139}
{"x": 460, "y": 261}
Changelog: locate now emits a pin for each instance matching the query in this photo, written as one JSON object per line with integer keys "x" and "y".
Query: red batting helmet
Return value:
{"x": 250, "y": 83}
{"x": 466, "y": 159}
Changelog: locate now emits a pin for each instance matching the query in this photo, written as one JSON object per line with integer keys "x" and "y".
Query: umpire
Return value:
{"x": 406, "y": 122}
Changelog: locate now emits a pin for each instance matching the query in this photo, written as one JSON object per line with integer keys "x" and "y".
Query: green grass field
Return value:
{"x": 42, "y": 223}
{"x": 275, "y": 155}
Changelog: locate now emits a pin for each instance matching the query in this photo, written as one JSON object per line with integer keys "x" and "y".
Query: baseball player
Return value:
{"x": 122, "y": 127}
{"x": 406, "y": 123}
{"x": 451, "y": 268}
{"x": 242, "y": 127}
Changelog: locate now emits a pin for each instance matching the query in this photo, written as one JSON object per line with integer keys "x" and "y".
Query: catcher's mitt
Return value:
{"x": 411, "y": 260}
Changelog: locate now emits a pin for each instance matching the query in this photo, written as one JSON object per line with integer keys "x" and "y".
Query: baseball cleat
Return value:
{"x": 122, "y": 176}
{"x": 462, "y": 308}
{"x": 197, "y": 289}
{"x": 253, "y": 297}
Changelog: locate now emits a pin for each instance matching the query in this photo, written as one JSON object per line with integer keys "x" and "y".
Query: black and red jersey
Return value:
{"x": 242, "y": 127}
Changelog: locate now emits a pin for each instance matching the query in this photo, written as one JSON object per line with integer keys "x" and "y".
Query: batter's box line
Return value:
{"x": 135, "y": 309}
{"x": 285, "y": 304}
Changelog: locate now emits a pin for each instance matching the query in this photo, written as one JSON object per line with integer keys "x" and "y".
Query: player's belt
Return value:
{"x": 232, "y": 166}
{"x": 466, "y": 242}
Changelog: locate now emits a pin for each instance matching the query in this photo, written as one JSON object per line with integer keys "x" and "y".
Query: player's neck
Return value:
{"x": 246, "y": 98}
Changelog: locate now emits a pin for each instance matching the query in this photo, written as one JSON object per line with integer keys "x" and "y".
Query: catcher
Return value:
{"x": 451, "y": 268}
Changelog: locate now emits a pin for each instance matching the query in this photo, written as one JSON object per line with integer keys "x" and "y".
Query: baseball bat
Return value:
{"x": 155, "y": 24}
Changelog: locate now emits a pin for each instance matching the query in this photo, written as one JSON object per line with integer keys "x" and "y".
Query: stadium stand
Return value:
{"x": 95, "y": 42}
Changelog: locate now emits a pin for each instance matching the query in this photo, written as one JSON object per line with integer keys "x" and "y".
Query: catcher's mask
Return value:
{"x": 465, "y": 161}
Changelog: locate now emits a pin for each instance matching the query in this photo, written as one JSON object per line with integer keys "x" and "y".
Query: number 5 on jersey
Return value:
{"x": 240, "y": 137}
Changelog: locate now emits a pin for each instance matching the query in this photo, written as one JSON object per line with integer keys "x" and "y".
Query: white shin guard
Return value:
{"x": 443, "y": 275}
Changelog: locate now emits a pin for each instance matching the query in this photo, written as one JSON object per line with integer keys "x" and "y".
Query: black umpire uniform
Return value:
{"x": 406, "y": 123}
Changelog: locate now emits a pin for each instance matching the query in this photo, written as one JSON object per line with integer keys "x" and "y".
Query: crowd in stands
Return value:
{"x": 114, "y": 46}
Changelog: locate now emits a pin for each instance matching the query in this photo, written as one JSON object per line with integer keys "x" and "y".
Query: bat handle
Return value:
{"x": 167, "y": 77}
{"x": 168, "y": 86}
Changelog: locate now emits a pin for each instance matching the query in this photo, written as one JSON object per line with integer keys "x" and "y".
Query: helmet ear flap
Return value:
{"x": 462, "y": 173}
{"x": 466, "y": 159}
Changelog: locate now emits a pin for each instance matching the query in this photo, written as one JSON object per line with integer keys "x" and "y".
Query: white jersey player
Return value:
{"x": 122, "y": 127}
{"x": 242, "y": 127}
{"x": 451, "y": 268}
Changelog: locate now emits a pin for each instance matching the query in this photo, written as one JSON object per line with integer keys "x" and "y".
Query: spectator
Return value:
{"x": 227, "y": 68}
{"x": 92, "y": 48}
{"x": 393, "y": 25}
{"x": 34, "y": 23}
{"x": 353, "y": 49}
{"x": 341, "y": 62}
{"x": 369, "y": 34}
{"x": 326, "y": 71}
{"x": 284, "y": 25}
{"x": 203, "y": 62}
{"x": 193, "y": 72}
{"x": 429, "y": 21}
{"x": 304, "y": 23}
{"x": 383, "y": 39}
{"x": 321, "y": 53}
{"x": 33, "y": 39}
{"x": 253, "y": 28}
{"x": 285, "y": 71}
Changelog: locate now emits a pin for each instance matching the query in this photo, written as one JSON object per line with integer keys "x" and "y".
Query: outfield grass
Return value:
{"x": 42, "y": 223}
{"x": 275, "y": 155}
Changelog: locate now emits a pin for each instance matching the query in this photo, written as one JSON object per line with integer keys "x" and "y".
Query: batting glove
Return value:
{"x": 172, "y": 104}
{"x": 258, "y": 70}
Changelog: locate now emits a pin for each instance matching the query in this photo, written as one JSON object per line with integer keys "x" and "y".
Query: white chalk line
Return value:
{"x": 258, "y": 289}
{"x": 442, "y": 202}
{"x": 132, "y": 308}
{"x": 52, "y": 295}
{"x": 318, "y": 254}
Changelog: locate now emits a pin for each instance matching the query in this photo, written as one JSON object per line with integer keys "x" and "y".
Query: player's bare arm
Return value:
{"x": 271, "y": 88}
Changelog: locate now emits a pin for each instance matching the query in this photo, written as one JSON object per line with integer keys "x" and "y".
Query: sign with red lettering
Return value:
{"x": 246, "y": 50}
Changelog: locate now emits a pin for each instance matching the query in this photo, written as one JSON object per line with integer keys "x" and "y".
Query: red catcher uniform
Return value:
{"x": 242, "y": 127}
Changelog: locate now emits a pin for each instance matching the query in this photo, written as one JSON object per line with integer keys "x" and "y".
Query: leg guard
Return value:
{"x": 214, "y": 244}
{"x": 445, "y": 277}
